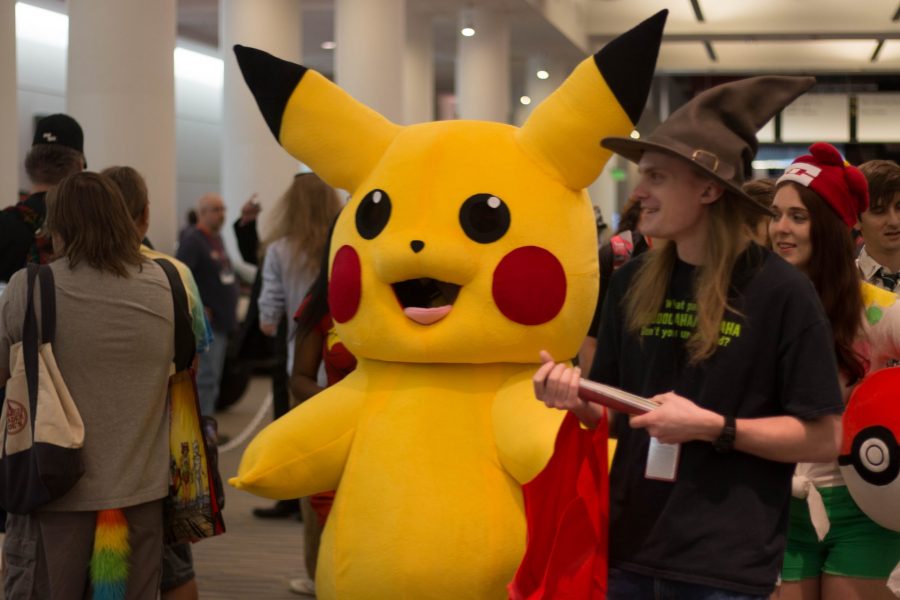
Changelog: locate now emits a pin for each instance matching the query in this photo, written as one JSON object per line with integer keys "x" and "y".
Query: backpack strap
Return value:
{"x": 185, "y": 345}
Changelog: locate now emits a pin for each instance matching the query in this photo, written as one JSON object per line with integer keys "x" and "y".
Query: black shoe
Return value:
{"x": 281, "y": 510}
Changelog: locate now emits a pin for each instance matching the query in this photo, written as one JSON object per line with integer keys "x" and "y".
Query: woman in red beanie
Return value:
{"x": 834, "y": 550}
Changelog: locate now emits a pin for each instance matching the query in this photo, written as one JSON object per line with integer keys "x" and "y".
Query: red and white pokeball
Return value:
{"x": 870, "y": 453}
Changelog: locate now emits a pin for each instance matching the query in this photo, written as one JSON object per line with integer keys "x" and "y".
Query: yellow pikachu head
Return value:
{"x": 463, "y": 241}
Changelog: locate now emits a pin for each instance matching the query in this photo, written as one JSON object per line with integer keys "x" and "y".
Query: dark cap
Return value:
{"x": 59, "y": 129}
{"x": 716, "y": 130}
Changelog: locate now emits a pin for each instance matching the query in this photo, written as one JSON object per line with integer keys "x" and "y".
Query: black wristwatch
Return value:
{"x": 725, "y": 441}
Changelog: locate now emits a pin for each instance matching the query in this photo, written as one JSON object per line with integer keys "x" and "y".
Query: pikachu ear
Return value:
{"x": 317, "y": 122}
{"x": 603, "y": 96}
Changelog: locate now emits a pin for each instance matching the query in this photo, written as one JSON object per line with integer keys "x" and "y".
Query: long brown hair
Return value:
{"x": 303, "y": 215}
{"x": 833, "y": 271}
{"x": 87, "y": 213}
{"x": 725, "y": 240}
{"x": 133, "y": 188}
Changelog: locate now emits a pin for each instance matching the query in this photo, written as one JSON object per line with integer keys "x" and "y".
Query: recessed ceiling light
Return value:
{"x": 635, "y": 134}
{"x": 467, "y": 31}
{"x": 542, "y": 74}
{"x": 526, "y": 100}
{"x": 329, "y": 45}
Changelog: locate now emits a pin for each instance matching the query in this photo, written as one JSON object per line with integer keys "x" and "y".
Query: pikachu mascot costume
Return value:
{"x": 466, "y": 247}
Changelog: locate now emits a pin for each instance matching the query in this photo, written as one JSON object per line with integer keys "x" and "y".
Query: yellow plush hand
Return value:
{"x": 304, "y": 451}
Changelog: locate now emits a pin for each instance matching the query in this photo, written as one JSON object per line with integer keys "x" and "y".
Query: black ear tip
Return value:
{"x": 251, "y": 58}
{"x": 270, "y": 79}
{"x": 652, "y": 26}
{"x": 627, "y": 63}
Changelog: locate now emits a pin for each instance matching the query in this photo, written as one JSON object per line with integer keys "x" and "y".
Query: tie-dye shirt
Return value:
{"x": 199, "y": 322}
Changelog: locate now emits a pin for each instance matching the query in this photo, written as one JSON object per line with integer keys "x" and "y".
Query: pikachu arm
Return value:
{"x": 304, "y": 451}
{"x": 524, "y": 428}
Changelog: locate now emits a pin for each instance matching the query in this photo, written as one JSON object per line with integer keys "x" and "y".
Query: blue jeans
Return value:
{"x": 209, "y": 373}
{"x": 625, "y": 585}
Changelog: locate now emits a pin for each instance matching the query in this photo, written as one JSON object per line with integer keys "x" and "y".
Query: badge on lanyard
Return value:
{"x": 662, "y": 461}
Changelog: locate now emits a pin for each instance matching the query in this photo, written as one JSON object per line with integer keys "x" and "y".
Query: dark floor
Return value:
{"x": 255, "y": 558}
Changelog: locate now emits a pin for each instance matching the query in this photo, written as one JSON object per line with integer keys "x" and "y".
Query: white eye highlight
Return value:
{"x": 494, "y": 202}
{"x": 376, "y": 197}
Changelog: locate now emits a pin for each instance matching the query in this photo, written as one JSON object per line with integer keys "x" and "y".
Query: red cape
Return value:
{"x": 567, "y": 512}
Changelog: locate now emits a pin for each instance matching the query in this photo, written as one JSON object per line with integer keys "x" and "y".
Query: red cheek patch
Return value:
{"x": 529, "y": 286}
{"x": 344, "y": 285}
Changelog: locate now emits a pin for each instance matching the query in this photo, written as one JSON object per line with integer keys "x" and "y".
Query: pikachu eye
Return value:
{"x": 484, "y": 218}
{"x": 373, "y": 214}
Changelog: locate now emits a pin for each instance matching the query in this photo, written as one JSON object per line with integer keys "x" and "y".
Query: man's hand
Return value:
{"x": 679, "y": 420}
{"x": 270, "y": 329}
{"x": 556, "y": 385}
{"x": 250, "y": 210}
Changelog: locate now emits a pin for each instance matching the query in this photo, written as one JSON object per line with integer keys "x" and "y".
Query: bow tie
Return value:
{"x": 888, "y": 280}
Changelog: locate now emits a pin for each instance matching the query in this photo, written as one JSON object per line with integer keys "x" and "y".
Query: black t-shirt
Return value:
{"x": 17, "y": 230}
{"x": 722, "y": 522}
{"x": 206, "y": 257}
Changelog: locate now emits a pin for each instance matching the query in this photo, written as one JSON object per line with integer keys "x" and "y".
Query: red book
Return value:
{"x": 614, "y": 398}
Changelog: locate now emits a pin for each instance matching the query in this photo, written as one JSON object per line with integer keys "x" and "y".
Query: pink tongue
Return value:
{"x": 427, "y": 316}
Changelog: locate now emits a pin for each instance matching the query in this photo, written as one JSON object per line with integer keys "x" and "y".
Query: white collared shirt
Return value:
{"x": 869, "y": 268}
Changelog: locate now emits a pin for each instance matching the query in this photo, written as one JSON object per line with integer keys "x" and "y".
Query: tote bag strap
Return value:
{"x": 30, "y": 344}
{"x": 48, "y": 304}
{"x": 185, "y": 346}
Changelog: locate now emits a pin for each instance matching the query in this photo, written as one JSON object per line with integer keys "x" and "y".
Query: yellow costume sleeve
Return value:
{"x": 304, "y": 451}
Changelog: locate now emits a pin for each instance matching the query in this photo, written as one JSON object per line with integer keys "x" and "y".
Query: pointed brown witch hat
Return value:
{"x": 716, "y": 130}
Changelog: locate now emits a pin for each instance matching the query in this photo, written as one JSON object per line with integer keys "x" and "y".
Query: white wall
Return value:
{"x": 41, "y": 90}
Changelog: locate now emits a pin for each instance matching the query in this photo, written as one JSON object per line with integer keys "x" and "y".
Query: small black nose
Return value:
{"x": 417, "y": 245}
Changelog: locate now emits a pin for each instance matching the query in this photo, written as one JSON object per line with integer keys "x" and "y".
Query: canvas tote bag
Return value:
{"x": 40, "y": 458}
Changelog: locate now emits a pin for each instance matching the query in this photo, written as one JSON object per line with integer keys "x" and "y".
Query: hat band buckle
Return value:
{"x": 704, "y": 158}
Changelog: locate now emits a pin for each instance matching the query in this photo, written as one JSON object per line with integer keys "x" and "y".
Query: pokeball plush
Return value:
{"x": 870, "y": 454}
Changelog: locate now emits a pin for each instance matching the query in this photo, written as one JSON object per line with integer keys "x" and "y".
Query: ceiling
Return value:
{"x": 703, "y": 37}
{"x": 815, "y": 36}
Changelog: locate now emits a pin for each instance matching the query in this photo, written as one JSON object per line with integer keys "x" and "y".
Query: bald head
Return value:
{"x": 211, "y": 212}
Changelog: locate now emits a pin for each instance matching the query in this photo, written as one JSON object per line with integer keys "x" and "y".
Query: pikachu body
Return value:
{"x": 466, "y": 247}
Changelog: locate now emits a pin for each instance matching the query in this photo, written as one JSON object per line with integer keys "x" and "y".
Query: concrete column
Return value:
{"x": 121, "y": 88}
{"x": 9, "y": 128}
{"x": 418, "y": 76}
{"x": 252, "y": 160}
{"x": 369, "y": 58}
{"x": 482, "y": 67}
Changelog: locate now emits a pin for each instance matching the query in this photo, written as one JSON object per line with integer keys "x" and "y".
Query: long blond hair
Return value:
{"x": 303, "y": 215}
{"x": 726, "y": 238}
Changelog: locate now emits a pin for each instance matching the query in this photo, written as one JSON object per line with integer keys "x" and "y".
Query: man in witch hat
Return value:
{"x": 733, "y": 345}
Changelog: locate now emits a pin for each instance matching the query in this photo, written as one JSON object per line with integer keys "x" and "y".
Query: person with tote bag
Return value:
{"x": 114, "y": 345}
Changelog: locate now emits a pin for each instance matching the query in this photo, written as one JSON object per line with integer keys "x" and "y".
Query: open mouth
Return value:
{"x": 425, "y": 300}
